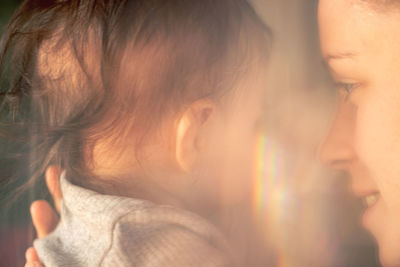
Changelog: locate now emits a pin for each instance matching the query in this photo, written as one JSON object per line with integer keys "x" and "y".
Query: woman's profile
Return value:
{"x": 360, "y": 44}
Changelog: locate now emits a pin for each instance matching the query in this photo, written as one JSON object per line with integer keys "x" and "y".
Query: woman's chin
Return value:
{"x": 389, "y": 247}
{"x": 388, "y": 258}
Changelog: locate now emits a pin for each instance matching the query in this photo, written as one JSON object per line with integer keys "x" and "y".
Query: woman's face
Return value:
{"x": 361, "y": 47}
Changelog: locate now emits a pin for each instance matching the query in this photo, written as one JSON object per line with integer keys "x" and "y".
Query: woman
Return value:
{"x": 360, "y": 45}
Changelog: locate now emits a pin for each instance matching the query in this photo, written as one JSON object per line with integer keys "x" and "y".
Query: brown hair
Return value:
{"x": 72, "y": 66}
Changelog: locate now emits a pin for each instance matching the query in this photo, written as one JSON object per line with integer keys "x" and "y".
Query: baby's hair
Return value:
{"x": 75, "y": 71}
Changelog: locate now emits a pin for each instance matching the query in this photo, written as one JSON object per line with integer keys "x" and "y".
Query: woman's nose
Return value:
{"x": 337, "y": 151}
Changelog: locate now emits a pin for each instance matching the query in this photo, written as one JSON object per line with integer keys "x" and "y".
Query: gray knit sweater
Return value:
{"x": 103, "y": 230}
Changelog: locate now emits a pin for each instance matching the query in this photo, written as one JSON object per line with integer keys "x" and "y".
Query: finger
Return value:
{"x": 31, "y": 255}
{"x": 34, "y": 264}
{"x": 44, "y": 218}
{"x": 53, "y": 184}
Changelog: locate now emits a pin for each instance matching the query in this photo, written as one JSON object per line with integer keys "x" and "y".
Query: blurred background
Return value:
{"x": 303, "y": 214}
{"x": 16, "y": 232}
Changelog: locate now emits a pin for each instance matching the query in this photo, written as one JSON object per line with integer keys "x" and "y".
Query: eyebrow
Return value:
{"x": 337, "y": 56}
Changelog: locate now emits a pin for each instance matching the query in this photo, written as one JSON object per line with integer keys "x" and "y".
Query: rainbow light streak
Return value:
{"x": 270, "y": 198}
{"x": 268, "y": 170}
{"x": 283, "y": 262}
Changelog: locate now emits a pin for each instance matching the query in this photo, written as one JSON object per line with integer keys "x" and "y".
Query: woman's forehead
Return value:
{"x": 369, "y": 6}
{"x": 347, "y": 27}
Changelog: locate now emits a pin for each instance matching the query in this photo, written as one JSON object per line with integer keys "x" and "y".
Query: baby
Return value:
{"x": 151, "y": 109}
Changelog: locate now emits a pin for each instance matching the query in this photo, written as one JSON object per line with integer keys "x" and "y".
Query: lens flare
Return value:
{"x": 272, "y": 201}
{"x": 269, "y": 175}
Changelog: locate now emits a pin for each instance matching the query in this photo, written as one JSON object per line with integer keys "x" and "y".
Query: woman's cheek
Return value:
{"x": 377, "y": 136}
{"x": 366, "y": 137}
{"x": 390, "y": 166}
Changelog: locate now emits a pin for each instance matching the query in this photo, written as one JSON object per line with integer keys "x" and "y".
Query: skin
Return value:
{"x": 44, "y": 217}
{"x": 361, "y": 48}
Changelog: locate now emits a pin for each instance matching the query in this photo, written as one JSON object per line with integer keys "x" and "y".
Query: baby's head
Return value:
{"x": 153, "y": 99}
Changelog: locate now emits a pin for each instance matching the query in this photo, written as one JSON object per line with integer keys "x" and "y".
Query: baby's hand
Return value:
{"x": 44, "y": 218}
{"x": 32, "y": 259}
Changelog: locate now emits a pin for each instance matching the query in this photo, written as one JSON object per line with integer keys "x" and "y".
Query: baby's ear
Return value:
{"x": 190, "y": 129}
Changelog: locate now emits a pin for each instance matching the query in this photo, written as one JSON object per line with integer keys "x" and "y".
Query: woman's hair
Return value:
{"x": 76, "y": 71}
